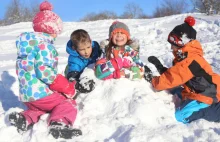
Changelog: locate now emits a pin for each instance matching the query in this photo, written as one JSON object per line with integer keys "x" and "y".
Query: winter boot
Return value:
{"x": 60, "y": 130}
{"x": 19, "y": 121}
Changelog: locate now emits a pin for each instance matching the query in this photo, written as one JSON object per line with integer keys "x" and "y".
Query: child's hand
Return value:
{"x": 128, "y": 62}
{"x": 124, "y": 62}
{"x": 148, "y": 75}
{"x": 85, "y": 85}
{"x": 71, "y": 76}
{"x": 154, "y": 60}
{"x": 62, "y": 85}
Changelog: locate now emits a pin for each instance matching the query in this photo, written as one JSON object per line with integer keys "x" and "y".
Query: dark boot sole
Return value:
{"x": 66, "y": 133}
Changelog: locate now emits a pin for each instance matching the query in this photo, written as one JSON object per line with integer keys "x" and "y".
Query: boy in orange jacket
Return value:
{"x": 200, "y": 86}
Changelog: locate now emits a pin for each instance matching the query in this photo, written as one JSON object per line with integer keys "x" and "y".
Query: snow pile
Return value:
{"x": 117, "y": 110}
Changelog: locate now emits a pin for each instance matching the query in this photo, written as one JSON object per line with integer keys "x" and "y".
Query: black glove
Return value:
{"x": 85, "y": 85}
{"x": 148, "y": 75}
{"x": 154, "y": 60}
{"x": 73, "y": 75}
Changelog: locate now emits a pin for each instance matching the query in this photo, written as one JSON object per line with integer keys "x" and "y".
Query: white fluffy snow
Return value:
{"x": 117, "y": 110}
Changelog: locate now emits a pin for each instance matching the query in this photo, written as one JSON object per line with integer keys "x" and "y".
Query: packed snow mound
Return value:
{"x": 217, "y": 22}
{"x": 117, "y": 110}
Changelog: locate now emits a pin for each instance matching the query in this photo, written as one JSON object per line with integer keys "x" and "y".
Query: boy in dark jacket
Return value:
{"x": 200, "y": 86}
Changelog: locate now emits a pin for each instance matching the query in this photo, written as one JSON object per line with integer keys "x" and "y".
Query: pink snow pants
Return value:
{"x": 60, "y": 108}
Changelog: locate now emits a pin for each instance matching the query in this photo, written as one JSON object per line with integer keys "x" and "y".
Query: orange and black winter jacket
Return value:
{"x": 194, "y": 73}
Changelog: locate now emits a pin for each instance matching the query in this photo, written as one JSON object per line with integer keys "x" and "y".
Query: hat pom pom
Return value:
{"x": 115, "y": 22}
{"x": 46, "y": 6}
{"x": 190, "y": 20}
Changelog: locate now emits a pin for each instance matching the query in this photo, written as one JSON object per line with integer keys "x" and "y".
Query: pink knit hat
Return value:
{"x": 47, "y": 21}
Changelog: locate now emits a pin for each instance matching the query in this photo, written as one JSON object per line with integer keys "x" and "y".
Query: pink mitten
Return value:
{"x": 127, "y": 62}
{"x": 124, "y": 62}
{"x": 62, "y": 85}
{"x": 117, "y": 63}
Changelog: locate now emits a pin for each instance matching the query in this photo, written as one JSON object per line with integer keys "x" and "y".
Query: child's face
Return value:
{"x": 119, "y": 39}
{"x": 85, "y": 49}
{"x": 174, "y": 48}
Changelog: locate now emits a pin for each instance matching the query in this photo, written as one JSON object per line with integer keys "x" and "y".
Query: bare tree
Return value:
{"x": 99, "y": 16}
{"x": 217, "y": 7}
{"x": 16, "y": 12}
{"x": 144, "y": 16}
{"x": 13, "y": 13}
{"x": 207, "y": 6}
{"x": 2, "y": 23}
{"x": 132, "y": 11}
{"x": 170, "y": 7}
{"x": 34, "y": 6}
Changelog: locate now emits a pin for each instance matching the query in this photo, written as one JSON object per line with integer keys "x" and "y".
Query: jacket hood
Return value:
{"x": 74, "y": 53}
{"x": 70, "y": 50}
{"x": 191, "y": 49}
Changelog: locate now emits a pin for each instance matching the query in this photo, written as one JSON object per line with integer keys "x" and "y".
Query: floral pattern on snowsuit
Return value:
{"x": 105, "y": 69}
{"x": 36, "y": 65}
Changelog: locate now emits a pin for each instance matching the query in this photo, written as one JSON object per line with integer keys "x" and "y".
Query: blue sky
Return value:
{"x": 73, "y": 10}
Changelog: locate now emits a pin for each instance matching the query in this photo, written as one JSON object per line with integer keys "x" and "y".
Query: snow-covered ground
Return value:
{"x": 117, "y": 110}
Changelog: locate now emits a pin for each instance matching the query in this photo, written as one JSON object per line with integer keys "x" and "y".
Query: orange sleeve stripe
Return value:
{"x": 174, "y": 76}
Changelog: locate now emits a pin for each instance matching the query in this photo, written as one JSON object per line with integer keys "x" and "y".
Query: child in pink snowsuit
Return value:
{"x": 41, "y": 88}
